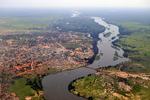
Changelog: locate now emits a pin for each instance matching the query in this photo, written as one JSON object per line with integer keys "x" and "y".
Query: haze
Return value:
{"x": 75, "y": 3}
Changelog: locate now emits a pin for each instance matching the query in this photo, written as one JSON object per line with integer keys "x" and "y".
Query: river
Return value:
{"x": 56, "y": 86}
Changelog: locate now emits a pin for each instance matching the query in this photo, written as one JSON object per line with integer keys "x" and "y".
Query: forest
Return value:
{"x": 80, "y": 24}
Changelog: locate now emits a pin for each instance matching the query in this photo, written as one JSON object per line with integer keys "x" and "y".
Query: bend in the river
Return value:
{"x": 56, "y": 86}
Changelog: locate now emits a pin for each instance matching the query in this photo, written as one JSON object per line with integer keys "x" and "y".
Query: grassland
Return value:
{"x": 136, "y": 46}
{"x": 97, "y": 57}
{"x": 21, "y": 89}
{"x": 29, "y": 84}
{"x": 27, "y": 23}
{"x": 71, "y": 46}
{"x": 105, "y": 85}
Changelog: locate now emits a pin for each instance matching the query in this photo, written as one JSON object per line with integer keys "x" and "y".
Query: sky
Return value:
{"x": 75, "y": 3}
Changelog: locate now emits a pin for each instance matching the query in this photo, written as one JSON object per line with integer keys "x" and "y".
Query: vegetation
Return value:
{"x": 23, "y": 24}
{"x": 84, "y": 87}
{"x": 77, "y": 24}
{"x": 71, "y": 46}
{"x": 21, "y": 88}
{"x": 107, "y": 34}
{"x": 134, "y": 39}
{"x": 108, "y": 28}
{"x": 105, "y": 85}
{"x": 30, "y": 84}
{"x": 113, "y": 37}
{"x": 100, "y": 39}
{"x": 115, "y": 47}
{"x": 116, "y": 56}
{"x": 101, "y": 54}
{"x": 97, "y": 57}
{"x": 134, "y": 28}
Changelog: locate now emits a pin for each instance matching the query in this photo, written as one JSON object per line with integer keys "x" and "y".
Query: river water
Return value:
{"x": 56, "y": 86}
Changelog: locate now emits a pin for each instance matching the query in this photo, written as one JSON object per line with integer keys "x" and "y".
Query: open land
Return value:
{"x": 112, "y": 85}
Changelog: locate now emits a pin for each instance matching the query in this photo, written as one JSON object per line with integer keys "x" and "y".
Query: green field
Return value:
{"x": 134, "y": 39}
{"x": 29, "y": 84}
{"x": 84, "y": 87}
{"x": 21, "y": 89}
{"x": 71, "y": 46}
{"x": 104, "y": 86}
{"x": 19, "y": 23}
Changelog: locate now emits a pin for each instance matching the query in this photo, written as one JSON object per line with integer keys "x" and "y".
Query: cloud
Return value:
{"x": 74, "y": 3}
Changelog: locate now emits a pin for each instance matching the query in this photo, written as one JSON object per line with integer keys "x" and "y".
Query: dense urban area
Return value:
{"x": 31, "y": 48}
{"x": 23, "y": 53}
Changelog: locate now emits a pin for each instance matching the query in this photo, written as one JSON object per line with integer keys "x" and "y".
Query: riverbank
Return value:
{"x": 111, "y": 84}
{"x": 57, "y": 85}
{"x": 135, "y": 43}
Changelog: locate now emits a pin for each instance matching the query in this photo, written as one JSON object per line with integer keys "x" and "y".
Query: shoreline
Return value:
{"x": 58, "y": 85}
